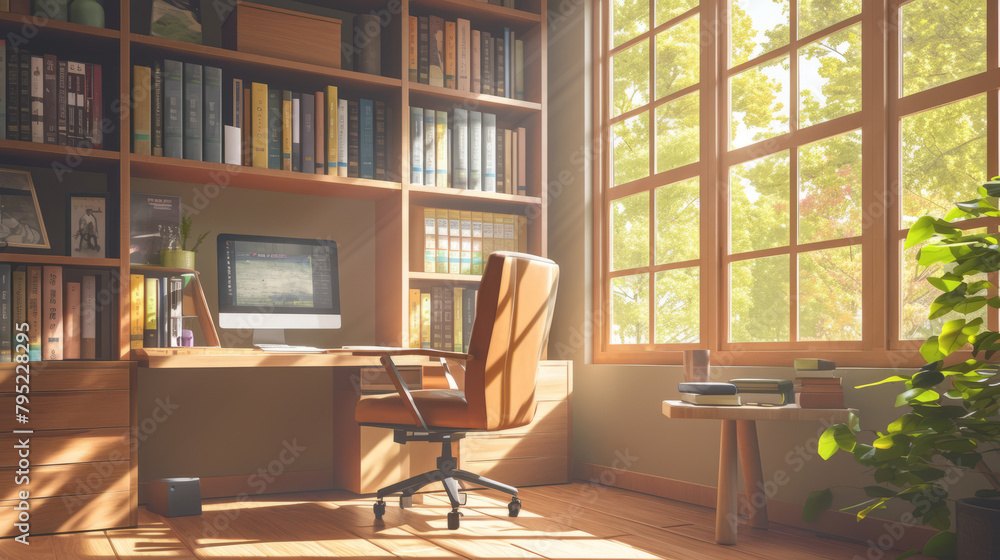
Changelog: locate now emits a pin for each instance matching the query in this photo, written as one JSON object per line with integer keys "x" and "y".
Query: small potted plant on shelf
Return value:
{"x": 950, "y": 428}
{"x": 182, "y": 258}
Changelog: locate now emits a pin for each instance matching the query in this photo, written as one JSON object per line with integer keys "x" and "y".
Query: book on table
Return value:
{"x": 711, "y": 400}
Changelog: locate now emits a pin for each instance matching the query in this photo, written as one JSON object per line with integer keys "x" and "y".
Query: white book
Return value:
{"x": 233, "y": 145}
{"x": 342, "y": 137}
{"x": 475, "y": 151}
{"x": 463, "y": 63}
{"x": 476, "y": 65}
{"x": 37, "y": 100}
{"x": 489, "y": 152}
{"x": 430, "y": 155}
{"x": 460, "y": 150}
{"x": 416, "y": 146}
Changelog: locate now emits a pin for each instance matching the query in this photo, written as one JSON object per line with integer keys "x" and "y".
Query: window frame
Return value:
{"x": 879, "y": 120}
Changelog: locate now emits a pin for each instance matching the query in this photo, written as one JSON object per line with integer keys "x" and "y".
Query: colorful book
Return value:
{"x": 71, "y": 321}
{"x": 441, "y": 261}
{"x": 414, "y": 318}
{"x": 286, "y": 130}
{"x": 416, "y": 146}
{"x": 212, "y": 111}
{"x": 343, "y": 137}
{"x": 52, "y": 313}
{"x": 173, "y": 109}
{"x": 489, "y": 152}
{"x": 6, "y": 305}
{"x": 430, "y": 148}
{"x": 501, "y": 163}
{"x": 332, "y": 130}
{"x": 19, "y": 295}
{"x": 141, "y": 116}
{"x": 50, "y": 114}
{"x": 423, "y": 49}
{"x": 460, "y": 149}
{"x": 88, "y": 317}
{"x": 381, "y": 156}
{"x": 33, "y": 280}
{"x": 353, "y": 138}
{"x": 193, "y": 111}
{"x": 450, "y": 54}
{"x": 463, "y": 66}
{"x": 259, "y": 122}
{"x": 441, "y": 148}
{"x": 156, "y": 110}
{"x": 320, "y": 129}
{"x": 296, "y": 132}
{"x": 476, "y": 266}
{"x": 366, "y": 139}
{"x": 308, "y": 133}
{"x": 38, "y": 99}
{"x": 435, "y": 51}
{"x": 274, "y": 127}
{"x": 475, "y": 62}
{"x": 465, "y": 259}
{"x": 454, "y": 242}
{"x": 429, "y": 239}
{"x": 487, "y": 235}
{"x": 412, "y": 55}
{"x": 151, "y": 292}
{"x": 137, "y": 310}
{"x": 475, "y": 151}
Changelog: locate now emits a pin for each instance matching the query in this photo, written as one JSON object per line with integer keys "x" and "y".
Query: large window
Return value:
{"x": 762, "y": 161}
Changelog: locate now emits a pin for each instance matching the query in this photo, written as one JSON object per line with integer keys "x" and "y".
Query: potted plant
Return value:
{"x": 950, "y": 422}
{"x": 182, "y": 258}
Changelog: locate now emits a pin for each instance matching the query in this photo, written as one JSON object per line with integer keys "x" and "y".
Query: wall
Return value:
{"x": 616, "y": 408}
{"x": 226, "y": 422}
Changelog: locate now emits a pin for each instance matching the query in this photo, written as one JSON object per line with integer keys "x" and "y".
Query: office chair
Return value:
{"x": 514, "y": 307}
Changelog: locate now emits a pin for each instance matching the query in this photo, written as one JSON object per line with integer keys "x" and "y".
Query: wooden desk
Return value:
{"x": 739, "y": 429}
{"x": 206, "y": 357}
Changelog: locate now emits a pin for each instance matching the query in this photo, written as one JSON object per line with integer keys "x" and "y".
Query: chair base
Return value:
{"x": 446, "y": 474}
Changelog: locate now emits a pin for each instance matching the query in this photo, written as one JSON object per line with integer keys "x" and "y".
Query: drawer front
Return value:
{"x": 68, "y": 376}
{"x": 523, "y": 472}
{"x": 64, "y": 480}
{"x": 552, "y": 382}
{"x": 487, "y": 447}
{"x": 83, "y": 409}
{"x": 68, "y": 513}
{"x": 68, "y": 446}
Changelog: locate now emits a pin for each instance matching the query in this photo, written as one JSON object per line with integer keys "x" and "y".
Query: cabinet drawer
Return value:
{"x": 69, "y": 376}
{"x": 523, "y": 472}
{"x": 65, "y": 480}
{"x": 69, "y": 513}
{"x": 82, "y": 409}
{"x": 551, "y": 383}
{"x": 487, "y": 447}
{"x": 68, "y": 446}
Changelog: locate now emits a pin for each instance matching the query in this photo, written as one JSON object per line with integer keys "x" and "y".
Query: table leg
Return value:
{"x": 753, "y": 475}
{"x": 725, "y": 508}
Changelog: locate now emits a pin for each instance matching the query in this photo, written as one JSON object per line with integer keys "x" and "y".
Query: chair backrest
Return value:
{"x": 514, "y": 306}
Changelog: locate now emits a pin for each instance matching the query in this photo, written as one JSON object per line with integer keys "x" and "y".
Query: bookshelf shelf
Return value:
{"x": 434, "y": 97}
{"x": 54, "y": 29}
{"x": 444, "y": 198}
{"x": 34, "y": 153}
{"x": 418, "y": 278}
{"x": 58, "y": 260}
{"x": 189, "y": 171}
{"x": 478, "y": 11}
{"x": 268, "y": 68}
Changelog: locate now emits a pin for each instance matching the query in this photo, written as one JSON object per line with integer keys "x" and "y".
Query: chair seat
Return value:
{"x": 440, "y": 407}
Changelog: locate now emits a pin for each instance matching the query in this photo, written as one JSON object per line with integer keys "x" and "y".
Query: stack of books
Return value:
{"x": 709, "y": 394}
{"x": 823, "y": 391}
{"x": 768, "y": 392}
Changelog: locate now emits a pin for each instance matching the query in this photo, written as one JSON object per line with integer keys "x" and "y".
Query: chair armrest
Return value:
{"x": 414, "y": 352}
{"x": 403, "y": 390}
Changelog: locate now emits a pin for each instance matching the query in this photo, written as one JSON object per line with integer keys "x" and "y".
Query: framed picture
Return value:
{"x": 155, "y": 224}
{"x": 87, "y": 225}
{"x": 21, "y": 222}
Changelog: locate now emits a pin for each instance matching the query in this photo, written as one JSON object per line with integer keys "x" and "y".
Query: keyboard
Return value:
{"x": 287, "y": 348}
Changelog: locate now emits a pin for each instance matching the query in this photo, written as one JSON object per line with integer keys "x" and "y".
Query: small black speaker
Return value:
{"x": 174, "y": 497}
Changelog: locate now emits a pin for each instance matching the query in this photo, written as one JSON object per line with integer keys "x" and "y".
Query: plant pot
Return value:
{"x": 176, "y": 258}
{"x": 977, "y": 524}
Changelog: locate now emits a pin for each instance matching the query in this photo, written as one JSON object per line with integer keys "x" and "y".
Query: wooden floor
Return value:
{"x": 567, "y": 521}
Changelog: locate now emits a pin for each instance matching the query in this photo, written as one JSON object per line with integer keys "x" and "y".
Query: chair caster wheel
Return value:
{"x": 405, "y": 502}
{"x": 514, "y": 507}
{"x": 453, "y": 520}
{"x": 379, "y": 509}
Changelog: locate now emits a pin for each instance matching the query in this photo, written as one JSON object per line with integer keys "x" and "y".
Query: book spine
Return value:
{"x": 476, "y": 266}
{"x": 486, "y": 47}
{"x": 137, "y": 310}
{"x": 499, "y": 72}
{"x": 37, "y": 99}
{"x": 449, "y": 55}
{"x": 296, "y": 132}
{"x": 259, "y": 133}
{"x": 463, "y": 71}
{"x": 489, "y": 152}
{"x": 286, "y": 130}
{"x": 308, "y": 133}
{"x": 380, "y": 141}
{"x": 151, "y": 292}
{"x": 430, "y": 240}
{"x": 5, "y": 313}
{"x": 62, "y": 99}
{"x": 140, "y": 111}
{"x": 414, "y": 317}
{"x": 71, "y": 321}
{"x": 487, "y": 235}
{"x": 24, "y": 96}
{"x": 508, "y": 51}
{"x": 157, "y": 110}
{"x": 368, "y": 43}
{"x": 4, "y": 80}
{"x": 475, "y": 151}
{"x": 13, "y": 91}
{"x": 441, "y": 260}
{"x": 88, "y": 318}
{"x": 456, "y": 316}
{"x": 423, "y": 49}
{"x": 416, "y": 146}
{"x": 212, "y": 133}
{"x": 437, "y": 317}
{"x": 96, "y": 125}
{"x": 34, "y": 279}
{"x": 465, "y": 262}
{"x": 273, "y": 128}
{"x": 522, "y": 234}
{"x": 508, "y": 170}
{"x": 353, "y": 138}
{"x": 501, "y": 159}
{"x": 49, "y": 97}
{"x": 441, "y": 148}
{"x": 19, "y": 296}
{"x": 342, "y": 137}
{"x": 499, "y": 243}
{"x": 236, "y": 98}
{"x": 176, "y": 311}
{"x": 509, "y": 233}
{"x": 412, "y": 54}
{"x": 52, "y": 313}
{"x": 430, "y": 147}
{"x": 460, "y": 149}
{"x": 80, "y": 103}
{"x": 468, "y": 315}
{"x": 332, "y": 128}
{"x": 193, "y": 110}
{"x": 518, "y": 69}
{"x": 435, "y": 54}
{"x": 366, "y": 145}
{"x": 475, "y": 62}
{"x": 173, "y": 109}
{"x": 448, "y": 318}
{"x": 320, "y": 128}
{"x": 454, "y": 242}
{"x": 163, "y": 313}
{"x": 88, "y": 104}
{"x": 522, "y": 165}
{"x": 425, "y": 319}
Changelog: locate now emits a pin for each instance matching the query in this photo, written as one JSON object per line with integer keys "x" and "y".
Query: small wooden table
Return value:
{"x": 739, "y": 429}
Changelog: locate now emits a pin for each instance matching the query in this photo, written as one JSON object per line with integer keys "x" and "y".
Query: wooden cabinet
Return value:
{"x": 82, "y": 469}
{"x": 538, "y": 453}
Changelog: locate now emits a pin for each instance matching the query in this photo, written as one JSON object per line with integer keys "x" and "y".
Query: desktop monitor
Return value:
{"x": 269, "y": 284}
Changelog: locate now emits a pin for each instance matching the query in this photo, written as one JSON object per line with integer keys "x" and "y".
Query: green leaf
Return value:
{"x": 878, "y": 504}
{"x": 931, "y": 254}
{"x": 892, "y": 379}
{"x": 878, "y": 492}
{"x": 941, "y": 545}
{"x": 816, "y": 503}
{"x": 960, "y": 445}
{"x": 944, "y": 283}
{"x": 838, "y": 436}
{"x": 951, "y": 338}
{"x": 853, "y": 422}
{"x": 927, "y": 379}
{"x": 905, "y": 423}
{"x": 920, "y": 231}
{"x": 907, "y": 554}
{"x": 970, "y": 305}
{"x": 906, "y": 396}
{"x": 929, "y": 350}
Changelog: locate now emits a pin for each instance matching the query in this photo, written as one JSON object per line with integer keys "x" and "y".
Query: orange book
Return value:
{"x": 449, "y": 54}
{"x": 821, "y": 400}
{"x": 71, "y": 321}
{"x": 52, "y": 313}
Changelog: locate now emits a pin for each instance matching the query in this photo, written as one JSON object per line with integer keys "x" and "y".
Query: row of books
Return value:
{"x": 182, "y": 112}
{"x": 157, "y": 305}
{"x": 466, "y": 150}
{"x": 50, "y": 101}
{"x": 451, "y": 54}
{"x": 441, "y": 317}
{"x": 61, "y": 317}
{"x": 458, "y": 241}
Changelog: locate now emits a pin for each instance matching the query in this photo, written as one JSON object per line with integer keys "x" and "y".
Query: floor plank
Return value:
{"x": 93, "y": 545}
{"x": 153, "y": 538}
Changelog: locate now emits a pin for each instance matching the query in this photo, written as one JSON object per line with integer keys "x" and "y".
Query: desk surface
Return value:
{"x": 200, "y": 357}
{"x": 681, "y": 409}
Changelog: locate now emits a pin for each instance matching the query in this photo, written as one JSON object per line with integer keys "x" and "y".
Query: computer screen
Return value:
{"x": 273, "y": 283}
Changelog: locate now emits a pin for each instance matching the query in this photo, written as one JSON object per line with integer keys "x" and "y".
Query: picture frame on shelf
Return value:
{"x": 21, "y": 223}
{"x": 87, "y": 225}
